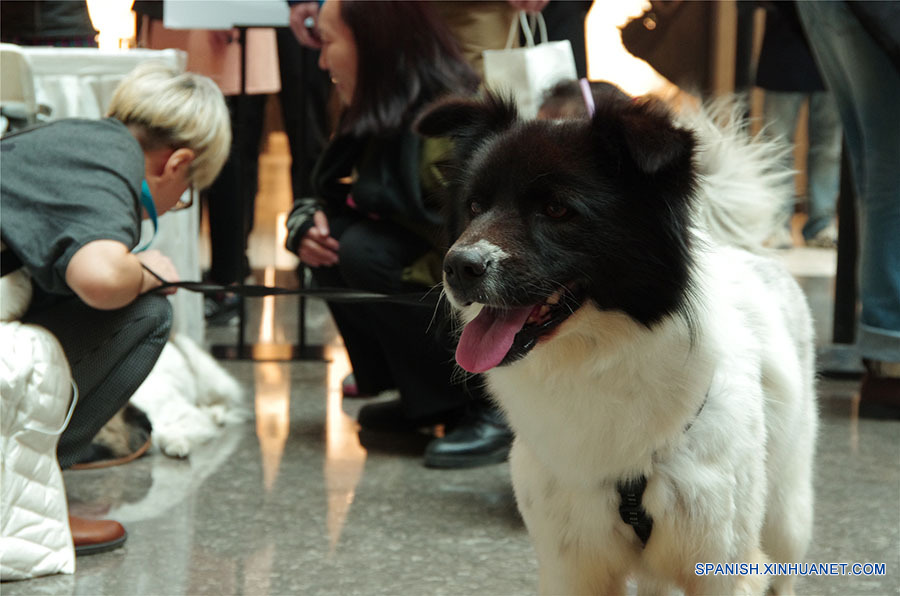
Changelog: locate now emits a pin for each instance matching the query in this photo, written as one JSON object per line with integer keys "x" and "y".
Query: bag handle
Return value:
{"x": 527, "y": 29}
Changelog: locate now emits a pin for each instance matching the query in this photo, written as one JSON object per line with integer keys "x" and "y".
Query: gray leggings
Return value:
{"x": 110, "y": 353}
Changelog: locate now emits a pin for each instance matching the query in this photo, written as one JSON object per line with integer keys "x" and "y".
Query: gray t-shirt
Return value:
{"x": 63, "y": 185}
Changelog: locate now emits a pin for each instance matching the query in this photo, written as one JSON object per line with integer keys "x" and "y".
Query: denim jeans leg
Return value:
{"x": 780, "y": 110}
{"x": 865, "y": 84}
{"x": 823, "y": 162}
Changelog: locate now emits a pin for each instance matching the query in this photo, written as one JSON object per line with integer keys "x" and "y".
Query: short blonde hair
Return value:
{"x": 176, "y": 109}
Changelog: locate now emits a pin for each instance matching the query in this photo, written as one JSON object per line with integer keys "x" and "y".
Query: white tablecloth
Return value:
{"x": 79, "y": 83}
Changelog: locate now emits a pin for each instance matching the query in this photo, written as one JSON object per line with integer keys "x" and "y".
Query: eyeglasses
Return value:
{"x": 182, "y": 203}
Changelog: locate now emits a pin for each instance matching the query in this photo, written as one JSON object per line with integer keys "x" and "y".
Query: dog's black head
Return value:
{"x": 549, "y": 215}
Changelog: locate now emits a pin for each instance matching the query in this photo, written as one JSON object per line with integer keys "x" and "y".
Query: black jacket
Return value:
{"x": 391, "y": 177}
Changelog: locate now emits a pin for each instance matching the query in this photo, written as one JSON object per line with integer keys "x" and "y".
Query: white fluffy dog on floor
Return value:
{"x": 188, "y": 397}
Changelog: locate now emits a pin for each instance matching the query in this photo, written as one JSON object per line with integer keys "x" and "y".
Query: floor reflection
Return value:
{"x": 273, "y": 401}
{"x": 344, "y": 456}
{"x": 258, "y": 571}
{"x": 854, "y": 424}
{"x": 273, "y": 395}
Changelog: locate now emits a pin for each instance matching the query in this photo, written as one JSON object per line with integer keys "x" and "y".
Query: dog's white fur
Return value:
{"x": 188, "y": 397}
{"x": 16, "y": 291}
{"x": 722, "y": 424}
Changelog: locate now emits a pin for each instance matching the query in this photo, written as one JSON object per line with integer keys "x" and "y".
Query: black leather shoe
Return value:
{"x": 389, "y": 416}
{"x": 481, "y": 438}
{"x": 879, "y": 395}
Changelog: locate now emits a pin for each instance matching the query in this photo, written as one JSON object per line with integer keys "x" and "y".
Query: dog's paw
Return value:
{"x": 222, "y": 414}
{"x": 218, "y": 413}
{"x": 179, "y": 447}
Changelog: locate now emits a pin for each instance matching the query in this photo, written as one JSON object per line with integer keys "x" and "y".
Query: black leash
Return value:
{"x": 11, "y": 263}
{"x": 343, "y": 295}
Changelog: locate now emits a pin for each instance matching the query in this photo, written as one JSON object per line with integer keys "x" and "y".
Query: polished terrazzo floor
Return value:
{"x": 296, "y": 501}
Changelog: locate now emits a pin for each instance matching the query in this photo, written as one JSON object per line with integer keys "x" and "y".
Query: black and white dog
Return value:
{"x": 655, "y": 370}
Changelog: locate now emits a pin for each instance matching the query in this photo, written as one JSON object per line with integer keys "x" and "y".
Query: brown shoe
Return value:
{"x": 879, "y": 394}
{"x": 92, "y": 536}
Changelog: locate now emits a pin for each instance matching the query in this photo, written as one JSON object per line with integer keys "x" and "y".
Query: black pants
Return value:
{"x": 231, "y": 198}
{"x": 400, "y": 346}
{"x": 304, "y": 103}
{"x": 230, "y": 202}
{"x": 110, "y": 353}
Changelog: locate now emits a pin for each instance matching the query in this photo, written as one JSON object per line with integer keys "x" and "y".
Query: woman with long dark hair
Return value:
{"x": 375, "y": 222}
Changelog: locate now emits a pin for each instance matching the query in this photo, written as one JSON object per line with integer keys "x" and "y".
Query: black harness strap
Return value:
{"x": 631, "y": 510}
{"x": 631, "y": 492}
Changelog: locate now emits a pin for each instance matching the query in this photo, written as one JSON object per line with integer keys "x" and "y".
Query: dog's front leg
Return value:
{"x": 741, "y": 586}
{"x": 752, "y": 584}
{"x": 572, "y": 529}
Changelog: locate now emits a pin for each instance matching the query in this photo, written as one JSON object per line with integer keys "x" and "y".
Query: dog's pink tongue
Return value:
{"x": 486, "y": 340}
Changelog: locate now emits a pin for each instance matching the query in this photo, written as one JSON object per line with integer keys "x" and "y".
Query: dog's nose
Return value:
{"x": 465, "y": 266}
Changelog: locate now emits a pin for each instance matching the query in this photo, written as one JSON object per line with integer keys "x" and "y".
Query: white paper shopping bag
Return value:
{"x": 527, "y": 73}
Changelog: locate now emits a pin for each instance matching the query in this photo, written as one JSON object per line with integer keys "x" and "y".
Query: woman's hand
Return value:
{"x": 300, "y": 17}
{"x": 106, "y": 275}
{"x": 318, "y": 248}
{"x": 162, "y": 266}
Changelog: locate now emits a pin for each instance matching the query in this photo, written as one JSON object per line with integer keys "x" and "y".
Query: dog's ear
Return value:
{"x": 467, "y": 119}
{"x": 658, "y": 146}
{"x": 653, "y": 141}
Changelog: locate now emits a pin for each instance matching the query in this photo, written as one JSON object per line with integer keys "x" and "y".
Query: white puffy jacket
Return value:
{"x": 36, "y": 400}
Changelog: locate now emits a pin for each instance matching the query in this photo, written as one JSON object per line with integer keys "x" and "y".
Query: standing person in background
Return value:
{"x": 857, "y": 48}
{"x": 788, "y": 73}
{"x": 374, "y": 222}
{"x": 61, "y": 23}
{"x": 74, "y": 193}
{"x": 481, "y": 25}
{"x": 305, "y": 89}
{"x": 304, "y": 103}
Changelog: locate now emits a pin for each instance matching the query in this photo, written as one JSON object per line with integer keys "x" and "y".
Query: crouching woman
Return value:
{"x": 374, "y": 222}
{"x": 74, "y": 193}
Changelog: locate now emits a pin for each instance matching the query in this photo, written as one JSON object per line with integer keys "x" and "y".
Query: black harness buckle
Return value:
{"x": 631, "y": 510}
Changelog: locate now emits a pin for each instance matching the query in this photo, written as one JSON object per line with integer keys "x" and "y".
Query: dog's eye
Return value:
{"x": 475, "y": 208}
{"x": 555, "y": 210}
